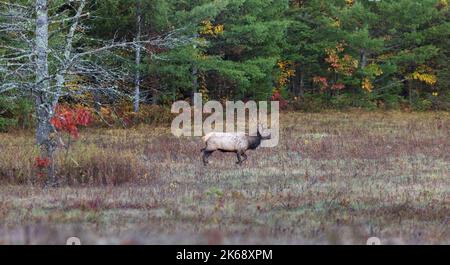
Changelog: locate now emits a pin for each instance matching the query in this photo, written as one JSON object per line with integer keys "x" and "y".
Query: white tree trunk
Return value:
{"x": 42, "y": 87}
{"x": 137, "y": 79}
{"x": 363, "y": 58}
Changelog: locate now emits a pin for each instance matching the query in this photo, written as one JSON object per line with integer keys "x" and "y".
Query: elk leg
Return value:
{"x": 238, "y": 154}
{"x": 244, "y": 155}
{"x": 206, "y": 154}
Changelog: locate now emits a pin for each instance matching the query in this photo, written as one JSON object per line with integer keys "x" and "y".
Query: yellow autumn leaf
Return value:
{"x": 286, "y": 71}
{"x": 209, "y": 29}
{"x": 218, "y": 29}
{"x": 429, "y": 79}
{"x": 442, "y": 4}
{"x": 367, "y": 85}
{"x": 336, "y": 23}
{"x": 349, "y": 2}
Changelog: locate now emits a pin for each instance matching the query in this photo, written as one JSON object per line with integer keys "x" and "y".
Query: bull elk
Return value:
{"x": 236, "y": 142}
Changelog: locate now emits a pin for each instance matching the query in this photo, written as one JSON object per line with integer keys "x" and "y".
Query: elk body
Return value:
{"x": 231, "y": 142}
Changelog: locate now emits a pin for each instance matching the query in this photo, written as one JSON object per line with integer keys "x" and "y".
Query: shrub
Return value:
{"x": 391, "y": 101}
{"x": 389, "y": 97}
{"x": 68, "y": 119}
{"x": 84, "y": 164}
{"x": 6, "y": 124}
{"x": 100, "y": 168}
{"x": 309, "y": 103}
{"x": 441, "y": 101}
{"x": 422, "y": 104}
{"x": 358, "y": 100}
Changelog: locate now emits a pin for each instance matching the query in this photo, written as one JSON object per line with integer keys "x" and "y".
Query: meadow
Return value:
{"x": 334, "y": 178}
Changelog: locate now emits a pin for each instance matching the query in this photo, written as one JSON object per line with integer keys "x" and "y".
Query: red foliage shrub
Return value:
{"x": 83, "y": 116}
{"x": 276, "y": 96}
{"x": 41, "y": 162}
{"x": 321, "y": 81}
{"x": 67, "y": 119}
{"x": 338, "y": 86}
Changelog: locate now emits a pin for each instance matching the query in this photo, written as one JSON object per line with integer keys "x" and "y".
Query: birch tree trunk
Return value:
{"x": 42, "y": 87}
{"x": 194, "y": 73}
{"x": 363, "y": 58}
{"x": 137, "y": 79}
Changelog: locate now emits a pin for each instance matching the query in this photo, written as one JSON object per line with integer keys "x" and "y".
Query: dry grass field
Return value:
{"x": 335, "y": 178}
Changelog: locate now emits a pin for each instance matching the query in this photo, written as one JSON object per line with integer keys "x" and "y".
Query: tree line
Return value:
{"x": 314, "y": 54}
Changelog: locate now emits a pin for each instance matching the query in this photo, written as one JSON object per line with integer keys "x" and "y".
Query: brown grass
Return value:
{"x": 334, "y": 178}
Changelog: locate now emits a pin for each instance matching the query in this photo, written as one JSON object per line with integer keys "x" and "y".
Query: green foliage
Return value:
{"x": 359, "y": 100}
{"x": 422, "y": 104}
{"x": 390, "y": 97}
{"x": 310, "y": 103}
{"x": 117, "y": 18}
{"x": 15, "y": 113}
{"x": 235, "y": 64}
{"x": 6, "y": 124}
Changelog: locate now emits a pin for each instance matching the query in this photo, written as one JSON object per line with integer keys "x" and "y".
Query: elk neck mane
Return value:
{"x": 254, "y": 141}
